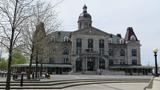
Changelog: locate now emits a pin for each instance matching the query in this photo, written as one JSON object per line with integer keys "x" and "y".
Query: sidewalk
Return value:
{"x": 154, "y": 84}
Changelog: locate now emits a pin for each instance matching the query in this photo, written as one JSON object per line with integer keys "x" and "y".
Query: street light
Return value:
{"x": 155, "y": 50}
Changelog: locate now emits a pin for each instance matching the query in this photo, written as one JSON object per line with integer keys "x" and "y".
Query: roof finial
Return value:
{"x": 85, "y": 8}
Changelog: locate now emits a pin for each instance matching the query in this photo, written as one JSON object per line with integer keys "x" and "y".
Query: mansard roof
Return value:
{"x": 129, "y": 34}
{"x": 59, "y": 35}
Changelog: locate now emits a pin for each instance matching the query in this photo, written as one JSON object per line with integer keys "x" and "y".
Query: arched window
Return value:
{"x": 133, "y": 38}
{"x": 121, "y": 41}
{"x": 66, "y": 39}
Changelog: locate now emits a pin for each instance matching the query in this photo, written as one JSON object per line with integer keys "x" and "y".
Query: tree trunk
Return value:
{"x": 30, "y": 63}
{"x": 10, "y": 50}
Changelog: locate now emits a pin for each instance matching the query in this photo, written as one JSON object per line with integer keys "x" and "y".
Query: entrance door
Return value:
{"x": 90, "y": 64}
{"x": 78, "y": 65}
{"x": 101, "y": 63}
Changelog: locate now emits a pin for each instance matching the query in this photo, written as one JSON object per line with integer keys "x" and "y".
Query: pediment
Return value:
{"x": 90, "y": 31}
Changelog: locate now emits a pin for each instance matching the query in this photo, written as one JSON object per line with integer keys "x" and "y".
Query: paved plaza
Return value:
{"x": 112, "y": 82}
{"x": 110, "y": 86}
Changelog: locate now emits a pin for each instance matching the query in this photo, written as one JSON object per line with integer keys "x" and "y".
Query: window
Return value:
{"x": 101, "y": 46}
{"x": 78, "y": 45}
{"x": 122, "y": 52}
{"x": 134, "y": 62}
{"x": 134, "y": 52}
{"x": 111, "y": 52}
{"x": 90, "y": 43}
{"x": 66, "y": 39}
{"x": 121, "y": 41}
{"x": 101, "y": 43}
{"x": 79, "y": 42}
{"x": 132, "y": 38}
{"x": 101, "y": 63}
{"x": 66, "y": 51}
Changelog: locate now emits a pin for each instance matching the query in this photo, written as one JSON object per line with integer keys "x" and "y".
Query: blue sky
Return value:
{"x": 114, "y": 16}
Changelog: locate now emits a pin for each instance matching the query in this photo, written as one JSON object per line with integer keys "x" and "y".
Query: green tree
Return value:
{"x": 18, "y": 57}
{"x": 3, "y": 64}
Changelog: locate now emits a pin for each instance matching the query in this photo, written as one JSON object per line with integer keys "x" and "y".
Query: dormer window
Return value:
{"x": 66, "y": 39}
{"x": 132, "y": 38}
{"x": 121, "y": 41}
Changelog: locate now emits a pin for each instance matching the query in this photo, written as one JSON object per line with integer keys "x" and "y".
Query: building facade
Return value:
{"x": 88, "y": 49}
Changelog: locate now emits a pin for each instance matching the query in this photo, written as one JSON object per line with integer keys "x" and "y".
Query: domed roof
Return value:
{"x": 84, "y": 14}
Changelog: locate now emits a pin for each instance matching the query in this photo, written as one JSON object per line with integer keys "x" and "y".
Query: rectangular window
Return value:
{"x": 111, "y": 52}
{"x": 134, "y": 52}
{"x": 122, "y": 52}
{"x": 90, "y": 43}
{"x": 134, "y": 62}
{"x": 78, "y": 46}
{"x": 79, "y": 42}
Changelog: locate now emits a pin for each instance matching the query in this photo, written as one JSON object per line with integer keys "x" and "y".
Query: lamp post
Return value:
{"x": 155, "y": 50}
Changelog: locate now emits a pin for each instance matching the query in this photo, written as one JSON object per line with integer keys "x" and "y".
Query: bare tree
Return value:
{"x": 13, "y": 14}
{"x": 42, "y": 12}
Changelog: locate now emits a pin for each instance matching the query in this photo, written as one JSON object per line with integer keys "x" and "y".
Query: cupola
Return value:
{"x": 85, "y": 19}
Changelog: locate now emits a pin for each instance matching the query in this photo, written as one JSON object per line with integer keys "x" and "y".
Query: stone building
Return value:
{"x": 89, "y": 49}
